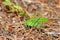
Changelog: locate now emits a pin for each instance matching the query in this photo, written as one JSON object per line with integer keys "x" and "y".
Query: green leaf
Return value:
{"x": 38, "y": 25}
{"x": 7, "y": 0}
{"x": 29, "y": 22}
{"x": 18, "y": 7}
{"x": 6, "y": 3}
{"x": 36, "y": 22}
{"x": 44, "y": 20}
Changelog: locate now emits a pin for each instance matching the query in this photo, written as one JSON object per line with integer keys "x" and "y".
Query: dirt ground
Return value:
{"x": 12, "y": 27}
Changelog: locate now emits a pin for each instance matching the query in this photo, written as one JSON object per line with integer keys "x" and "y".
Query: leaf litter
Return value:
{"x": 12, "y": 27}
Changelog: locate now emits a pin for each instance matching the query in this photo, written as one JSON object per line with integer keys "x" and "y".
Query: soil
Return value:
{"x": 12, "y": 24}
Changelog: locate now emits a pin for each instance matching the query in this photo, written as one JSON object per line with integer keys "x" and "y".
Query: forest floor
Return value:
{"x": 11, "y": 23}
